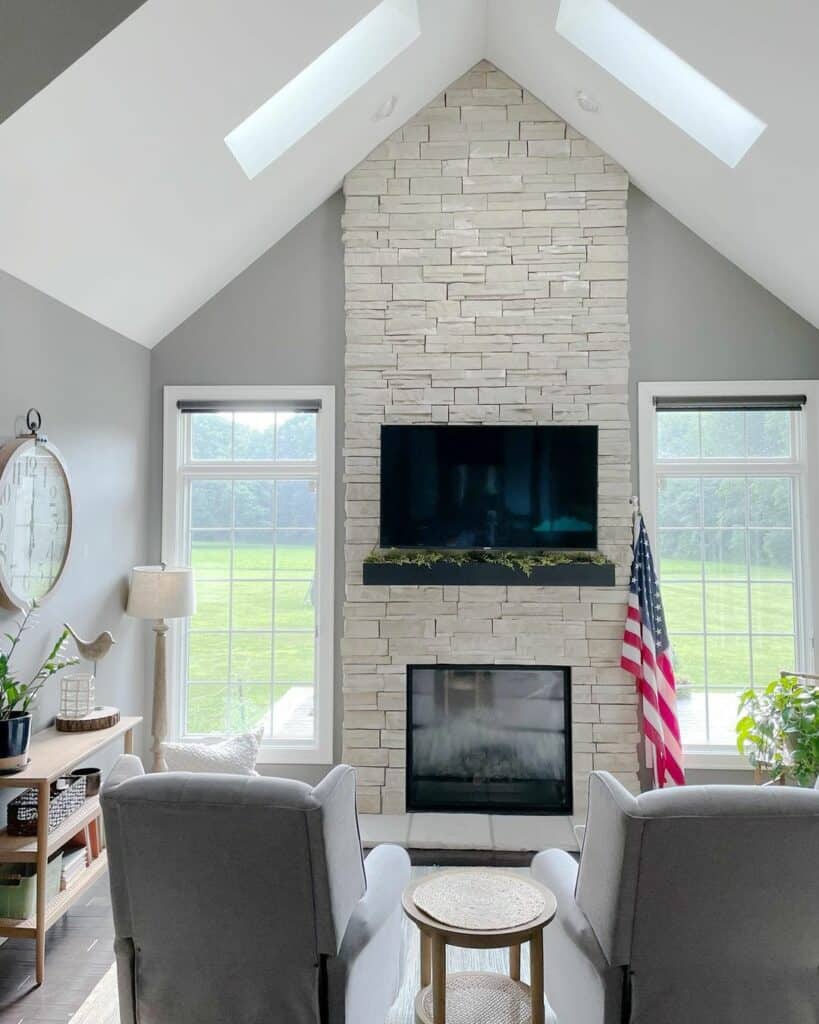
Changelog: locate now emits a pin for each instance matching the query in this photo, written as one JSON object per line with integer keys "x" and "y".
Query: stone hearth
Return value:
{"x": 507, "y": 833}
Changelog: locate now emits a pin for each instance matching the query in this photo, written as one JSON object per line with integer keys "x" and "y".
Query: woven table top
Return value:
{"x": 477, "y": 899}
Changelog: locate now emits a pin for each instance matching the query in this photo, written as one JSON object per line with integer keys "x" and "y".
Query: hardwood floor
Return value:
{"x": 79, "y": 950}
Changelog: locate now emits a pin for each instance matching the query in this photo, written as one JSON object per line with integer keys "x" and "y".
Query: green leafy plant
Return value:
{"x": 16, "y": 695}
{"x": 524, "y": 561}
{"x": 778, "y": 728}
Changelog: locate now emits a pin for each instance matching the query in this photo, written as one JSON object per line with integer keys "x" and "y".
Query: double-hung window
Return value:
{"x": 248, "y": 503}
{"x": 726, "y": 487}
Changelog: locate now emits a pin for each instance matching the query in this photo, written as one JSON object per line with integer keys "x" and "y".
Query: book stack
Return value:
{"x": 74, "y": 864}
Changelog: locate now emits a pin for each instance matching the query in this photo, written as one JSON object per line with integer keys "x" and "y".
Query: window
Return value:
{"x": 657, "y": 75}
{"x": 333, "y": 77}
{"x": 248, "y": 502}
{"x": 725, "y": 482}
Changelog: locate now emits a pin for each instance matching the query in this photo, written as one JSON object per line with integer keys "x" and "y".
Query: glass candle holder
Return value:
{"x": 76, "y": 695}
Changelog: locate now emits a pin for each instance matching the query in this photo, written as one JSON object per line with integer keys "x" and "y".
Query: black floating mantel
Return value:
{"x": 586, "y": 573}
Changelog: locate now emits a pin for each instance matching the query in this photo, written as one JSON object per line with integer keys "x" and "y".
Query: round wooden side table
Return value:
{"x": 464, "y": 997}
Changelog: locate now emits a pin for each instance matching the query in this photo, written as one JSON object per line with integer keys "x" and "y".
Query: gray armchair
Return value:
{"x": 692, "y": 904}
{"x": 246, "y": 899}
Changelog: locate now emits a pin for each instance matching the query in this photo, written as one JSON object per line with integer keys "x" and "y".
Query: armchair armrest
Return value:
{"x": 388, "y": 871}
{"x": 580, "y": 984}
{"x": 363, "y": 980}
{"x": 557, "y": 870}
{"x": 127, "y": 766}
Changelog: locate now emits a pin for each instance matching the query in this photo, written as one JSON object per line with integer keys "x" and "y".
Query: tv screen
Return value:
{"x": 489, "y": 487}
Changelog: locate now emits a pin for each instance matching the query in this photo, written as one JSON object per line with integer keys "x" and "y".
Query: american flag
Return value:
{"x": 645, "y": 655}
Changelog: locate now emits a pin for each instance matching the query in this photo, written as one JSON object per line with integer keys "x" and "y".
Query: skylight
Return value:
{"x": 324, "y": 85}
{"x": 660, "y": 77}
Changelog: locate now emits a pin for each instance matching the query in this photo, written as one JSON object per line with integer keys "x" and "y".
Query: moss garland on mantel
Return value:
{"x": 524, "y": 561}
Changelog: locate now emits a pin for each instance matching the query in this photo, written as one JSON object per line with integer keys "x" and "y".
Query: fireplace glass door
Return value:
{"x": 489, "y": 738}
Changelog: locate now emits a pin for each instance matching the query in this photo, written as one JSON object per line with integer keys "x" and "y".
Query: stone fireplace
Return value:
{"x": 486, "y": 262}
{"x": 489, "y": 738}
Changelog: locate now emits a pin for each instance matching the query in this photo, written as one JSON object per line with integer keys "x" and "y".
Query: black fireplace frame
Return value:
{"x": 489, "y": 808}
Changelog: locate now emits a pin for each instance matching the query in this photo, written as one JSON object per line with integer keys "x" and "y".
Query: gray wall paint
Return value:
{"x": 696, "y": 316}
{"x": 39, "y": 39}
{"x": 91, "y": 386}
{"x": 281, "y": 321}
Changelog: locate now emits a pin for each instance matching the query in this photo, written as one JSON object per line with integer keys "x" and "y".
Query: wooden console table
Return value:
{"x": 54, "y": 754}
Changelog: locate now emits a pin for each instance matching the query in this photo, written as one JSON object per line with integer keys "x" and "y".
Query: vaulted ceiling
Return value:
{"x": 119, "y": 197}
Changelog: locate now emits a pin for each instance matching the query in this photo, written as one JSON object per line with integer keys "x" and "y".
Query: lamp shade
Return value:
{"x": 161, "y": 592}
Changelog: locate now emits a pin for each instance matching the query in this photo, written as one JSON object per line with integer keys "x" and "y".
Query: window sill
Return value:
{"x": 294, "y": 755}
{"x": 716, "y": 759}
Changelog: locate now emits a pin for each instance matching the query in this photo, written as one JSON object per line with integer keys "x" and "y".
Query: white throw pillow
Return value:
{"x": 234, "y": 756}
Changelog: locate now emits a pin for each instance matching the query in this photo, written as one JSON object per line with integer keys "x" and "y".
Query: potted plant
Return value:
{"x": 778, "y": 729}
{"x": 17, "y": 697}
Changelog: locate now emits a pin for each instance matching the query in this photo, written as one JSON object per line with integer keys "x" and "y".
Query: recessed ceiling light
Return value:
{"x": 661, "y": 78}
{"x": 324, "y": 85}
{"x": 586, "y": 102}
{"x": 386, "y": 108}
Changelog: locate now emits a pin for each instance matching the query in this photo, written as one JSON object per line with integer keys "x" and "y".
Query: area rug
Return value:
{"x": 101, "y": 1005}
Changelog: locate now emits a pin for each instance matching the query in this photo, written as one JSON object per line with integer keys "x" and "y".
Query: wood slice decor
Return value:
{"x": 479, "y": 900}
{"x": 99, "y": 718}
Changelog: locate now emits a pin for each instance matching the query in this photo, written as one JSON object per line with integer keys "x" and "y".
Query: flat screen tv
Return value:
{"x": 489, "y": 487}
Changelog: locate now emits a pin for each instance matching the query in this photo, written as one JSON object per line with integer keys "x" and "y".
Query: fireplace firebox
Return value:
{"x": 489, "y": 738}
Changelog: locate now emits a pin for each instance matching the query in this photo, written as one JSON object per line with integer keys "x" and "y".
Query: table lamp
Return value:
{"x": 160, "y": 592}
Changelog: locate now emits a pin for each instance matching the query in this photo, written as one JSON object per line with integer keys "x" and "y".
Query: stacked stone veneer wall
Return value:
{"x": 486, "y": 265}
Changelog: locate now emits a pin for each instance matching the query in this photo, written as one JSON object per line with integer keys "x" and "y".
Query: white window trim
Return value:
{"x": 716, "y": 756}
{"x": 320, "y": 752}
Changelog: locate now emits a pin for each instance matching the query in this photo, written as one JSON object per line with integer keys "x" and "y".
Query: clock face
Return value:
{"x": 35, "y": 521}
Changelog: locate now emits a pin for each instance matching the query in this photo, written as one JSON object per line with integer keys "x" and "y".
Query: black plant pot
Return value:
{"x": 15, "y": 733}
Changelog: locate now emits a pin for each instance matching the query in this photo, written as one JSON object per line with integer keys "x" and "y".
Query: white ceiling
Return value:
{"x": 119, "y": 197}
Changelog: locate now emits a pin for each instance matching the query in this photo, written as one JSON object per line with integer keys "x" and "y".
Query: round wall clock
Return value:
{"x": 35, "y": 520}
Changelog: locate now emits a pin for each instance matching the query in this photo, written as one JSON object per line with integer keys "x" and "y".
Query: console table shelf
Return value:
{"x": 54, "y": 754}
{"x": 23, "y": 849}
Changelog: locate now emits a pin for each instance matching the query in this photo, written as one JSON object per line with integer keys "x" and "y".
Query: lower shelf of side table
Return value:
{"x": 478, "y": 996}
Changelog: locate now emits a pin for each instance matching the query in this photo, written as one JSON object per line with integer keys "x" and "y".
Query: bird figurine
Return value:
{"x": 93, "y": 650}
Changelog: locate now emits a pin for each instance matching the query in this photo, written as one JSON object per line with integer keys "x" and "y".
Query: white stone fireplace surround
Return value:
{"x": 486, "y": 263}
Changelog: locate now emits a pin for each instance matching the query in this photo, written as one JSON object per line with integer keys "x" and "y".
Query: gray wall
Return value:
{"x": 281, "y": 321}
{"x": 696, "y": 316}
{"x": 41, "y": 38}
{"x": 91, "y": 386}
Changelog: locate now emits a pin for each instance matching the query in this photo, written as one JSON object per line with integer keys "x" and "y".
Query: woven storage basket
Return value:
{"x": 22, "y": 810}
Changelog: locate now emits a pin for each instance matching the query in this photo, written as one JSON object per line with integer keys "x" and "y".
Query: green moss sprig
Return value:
{"x": 523, "y": 561}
